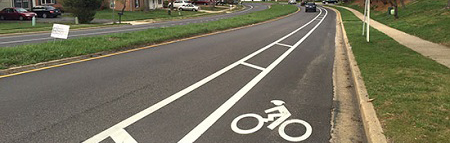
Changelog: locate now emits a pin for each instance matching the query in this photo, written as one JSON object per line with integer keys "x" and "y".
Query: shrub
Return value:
{"x": 83, "y": 9}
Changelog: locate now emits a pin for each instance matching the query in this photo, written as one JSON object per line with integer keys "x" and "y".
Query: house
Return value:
{"x": 131, "y": 5}
{"x": 27, "y": 4}
{"x": 136, "y": 5}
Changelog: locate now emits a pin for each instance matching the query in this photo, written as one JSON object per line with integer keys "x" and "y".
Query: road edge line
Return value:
{"x": 81, "y": 59}
{"x": 372, "y": 126}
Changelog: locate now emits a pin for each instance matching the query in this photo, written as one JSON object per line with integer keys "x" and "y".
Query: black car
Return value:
{"x": 330, "y": 1}
{"x": 310, "y": 7}
{"x": 303, "y": 3}
{"x": 46, "y": 11}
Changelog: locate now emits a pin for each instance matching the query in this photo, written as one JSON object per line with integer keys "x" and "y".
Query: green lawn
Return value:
{"x": 427, "y": 19}
{"x": 411, "y": 92}
{"x": 140, "y": 15}
{"x": 35, "y": 53}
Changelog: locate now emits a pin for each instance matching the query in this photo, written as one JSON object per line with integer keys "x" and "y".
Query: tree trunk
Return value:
{"x": 146, "y": 5}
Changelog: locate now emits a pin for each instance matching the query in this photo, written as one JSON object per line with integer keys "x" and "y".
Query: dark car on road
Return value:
{"x": 16, "y": 13}
{"x": 329, "y": 1}
{"x": 46, "y": 11}
{"x": 310, "y": 7}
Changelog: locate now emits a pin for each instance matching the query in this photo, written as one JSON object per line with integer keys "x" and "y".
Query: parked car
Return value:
{"x": 16, "y": 13}
{"x": 179, "y": 3}
{"x": 46, "y": 11}
{"x": 189, "y": 7}
{"x": 292, "y": 2}
{"x": 310, "y": 7}
{"x": 201, "y": 2}
{"x": 329, "y": 1}
{"x": 303, "y": 3}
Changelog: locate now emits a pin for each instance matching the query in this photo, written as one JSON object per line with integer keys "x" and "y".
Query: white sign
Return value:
{"x": 60, "y": 31}
{"x": 282, "y": 114}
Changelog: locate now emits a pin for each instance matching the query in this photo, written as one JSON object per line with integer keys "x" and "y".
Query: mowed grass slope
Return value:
{"x": 427, "y": 19}
{"x": 411, "y": 92}
{"x": 35, "y": 53}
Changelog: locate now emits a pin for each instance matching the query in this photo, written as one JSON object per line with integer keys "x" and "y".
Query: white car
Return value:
{"x": 292, "y": 2}
{"x": 190, "y": 7}
{"x": 177, "y": 4}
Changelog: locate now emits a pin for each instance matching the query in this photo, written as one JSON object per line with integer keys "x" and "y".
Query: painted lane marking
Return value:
{"x": 282, "y": 115}
{"x": 212, "y": 118}
{"x": 95, "y": 33}
{"x": 253, "y": 66}
{"x": 136, "y": 117}
{"x": 281, "y": 44}
{"x": 122, "y": 136}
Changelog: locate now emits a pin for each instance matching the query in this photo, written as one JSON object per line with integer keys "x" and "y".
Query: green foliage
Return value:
{"x": 83, "y": 9}
{"x": 411, "y": 92}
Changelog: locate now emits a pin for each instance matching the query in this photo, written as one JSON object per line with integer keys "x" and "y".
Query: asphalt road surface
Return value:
{"x": 267, "y": 83}
{"x": 9, "y": 41}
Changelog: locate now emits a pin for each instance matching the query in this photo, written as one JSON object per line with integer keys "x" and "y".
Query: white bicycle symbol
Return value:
{"x": 282, "y": 116}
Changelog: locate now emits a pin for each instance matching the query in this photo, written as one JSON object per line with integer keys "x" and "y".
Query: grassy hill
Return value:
{"x": 427, "y": 19}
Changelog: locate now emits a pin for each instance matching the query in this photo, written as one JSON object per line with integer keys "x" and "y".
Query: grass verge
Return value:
{"x": 427, "y": 19}
{"x": 35, "y": 53}
{"x": 412, "y": 92}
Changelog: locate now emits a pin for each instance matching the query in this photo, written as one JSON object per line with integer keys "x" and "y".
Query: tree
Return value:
{"x": 83, "y": 9}
{"x": 171, "y": 4}
{"x": 146, "y": 5}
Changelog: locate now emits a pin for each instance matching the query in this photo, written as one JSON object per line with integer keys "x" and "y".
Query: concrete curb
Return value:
{"x": 372, "y": 126}
{"x": 72, "y": 60}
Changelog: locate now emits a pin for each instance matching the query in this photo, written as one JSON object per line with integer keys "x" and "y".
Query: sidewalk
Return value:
{"x": 437, "y": 52}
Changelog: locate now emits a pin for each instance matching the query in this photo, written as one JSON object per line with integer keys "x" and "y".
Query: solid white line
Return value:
{"x": 284, "y": 45}
{"x": 122, "y": 136}
{"x": 212, "y": 118}
{"x": 121, "y": 125}
{"x": 253, "y": 66}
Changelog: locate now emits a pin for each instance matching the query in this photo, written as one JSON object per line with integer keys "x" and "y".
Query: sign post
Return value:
{"x": 60, "y": 31}
{"x": 33, "y": 21}
{"x": 366, "y": 20}
{"x": 113, "y": 6}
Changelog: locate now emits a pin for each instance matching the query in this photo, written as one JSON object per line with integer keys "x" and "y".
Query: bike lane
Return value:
{"x": 303, "y": 81}
{"x": 185, "y": 113}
